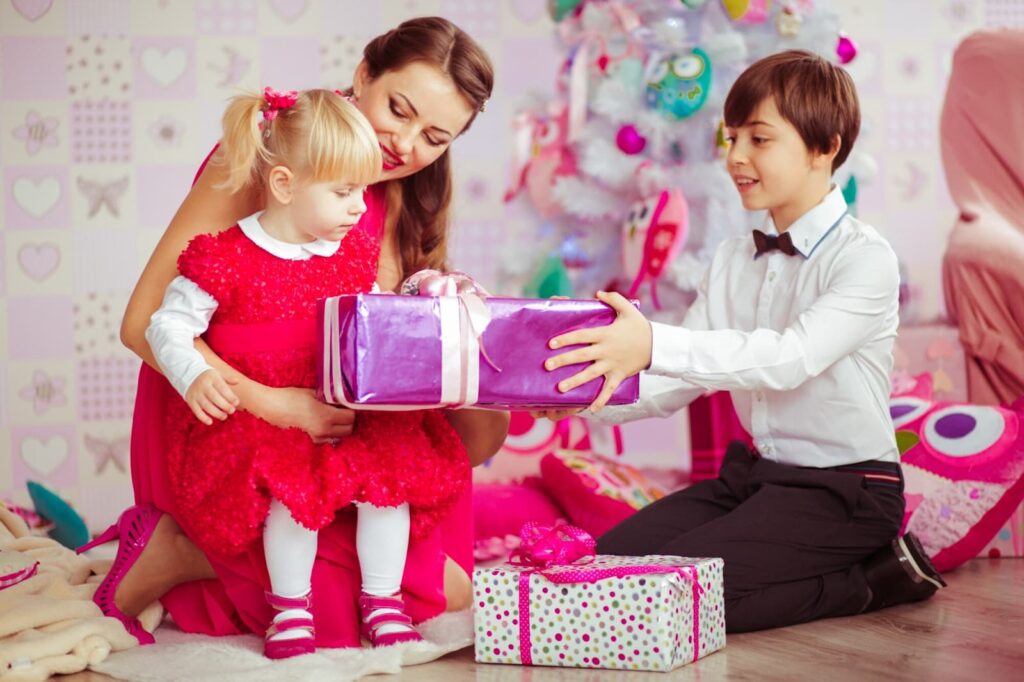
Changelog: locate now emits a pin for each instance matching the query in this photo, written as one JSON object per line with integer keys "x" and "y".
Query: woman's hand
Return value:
{"x": 299, "y": 408}
{"x": 556, "y": 415}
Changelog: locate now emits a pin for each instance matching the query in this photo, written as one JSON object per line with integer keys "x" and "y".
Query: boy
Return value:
{"x": 798, "y": 324}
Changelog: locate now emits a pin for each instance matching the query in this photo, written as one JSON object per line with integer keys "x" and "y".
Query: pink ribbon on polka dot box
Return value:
{"x": 629, "y": 613}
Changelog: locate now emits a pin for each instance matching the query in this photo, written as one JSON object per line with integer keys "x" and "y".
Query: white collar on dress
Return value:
{"x": 252, "y": 229}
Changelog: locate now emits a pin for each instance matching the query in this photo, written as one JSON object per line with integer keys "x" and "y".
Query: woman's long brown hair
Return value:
{"x": 422, "y": 200}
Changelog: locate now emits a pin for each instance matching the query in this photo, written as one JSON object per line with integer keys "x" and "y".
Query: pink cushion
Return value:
{"x": 500, "y": 510}
{"x": 964, "y": 470}
{"x": 596, "y": 492}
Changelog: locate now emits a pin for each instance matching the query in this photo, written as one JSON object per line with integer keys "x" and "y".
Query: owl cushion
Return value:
{"x": 964, "y": 471}
{"x": 596, "y": 492}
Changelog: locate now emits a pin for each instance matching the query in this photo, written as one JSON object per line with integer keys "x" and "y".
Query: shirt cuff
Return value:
{"x": 670, "y": 348}
{"x": 183, "y": 382}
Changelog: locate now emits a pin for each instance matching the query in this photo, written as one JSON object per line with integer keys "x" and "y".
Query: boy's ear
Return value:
{"x": 282, "y": 184}
{"x": 824, "y": 159}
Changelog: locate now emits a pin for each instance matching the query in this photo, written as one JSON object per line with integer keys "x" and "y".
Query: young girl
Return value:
{"x": 251, "y": 292}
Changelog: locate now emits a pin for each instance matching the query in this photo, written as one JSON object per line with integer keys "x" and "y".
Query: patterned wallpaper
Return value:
{"x": 108, "y": 106}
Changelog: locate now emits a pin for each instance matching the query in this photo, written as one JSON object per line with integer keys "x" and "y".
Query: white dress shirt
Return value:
{"x": 187, "y": 309}
{"x": 803, "y": 343}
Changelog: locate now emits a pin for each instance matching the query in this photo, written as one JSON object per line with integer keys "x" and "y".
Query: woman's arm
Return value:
{"x": 481, "y": 431}
{"x": 207, "y": 210}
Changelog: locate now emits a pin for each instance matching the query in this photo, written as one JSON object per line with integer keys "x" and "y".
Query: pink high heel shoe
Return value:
{"x": 132, "y": 530}
{"x": 372, "y": 622}
{"x": 297, "y": 646}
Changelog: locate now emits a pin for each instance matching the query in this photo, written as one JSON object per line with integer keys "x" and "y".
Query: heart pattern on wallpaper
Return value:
{"x": 36, "y": 198}
{"x": 32, "y": 9}
{"x": 44, "y": 455}
{"x": 39, "y": 261}
{"x": 528, "y": 10}
{"x": 289, "y": 10}
{"x": 164, "y": 66}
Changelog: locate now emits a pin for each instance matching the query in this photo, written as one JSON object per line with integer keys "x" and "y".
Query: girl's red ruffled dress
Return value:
{"x": 224, "y": 476}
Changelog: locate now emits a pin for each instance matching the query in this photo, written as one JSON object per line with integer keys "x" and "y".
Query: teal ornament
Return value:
{"x": 679, "y": 85}
{"x": 68, "y": 527}
{"x": 692, "y": 4}
{"x": 559, "y": 9}
{"x": 850, "y": 191}
{"x": 551, "y": 279}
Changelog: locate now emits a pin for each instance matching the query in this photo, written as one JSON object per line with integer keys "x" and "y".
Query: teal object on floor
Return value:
{"x": 69, "y": 528}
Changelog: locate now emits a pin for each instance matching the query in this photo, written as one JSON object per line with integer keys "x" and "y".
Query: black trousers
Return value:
{"x": 792, "y": 538}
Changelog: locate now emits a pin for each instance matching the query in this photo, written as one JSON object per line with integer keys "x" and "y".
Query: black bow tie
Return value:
{"x": 768, "y": 242}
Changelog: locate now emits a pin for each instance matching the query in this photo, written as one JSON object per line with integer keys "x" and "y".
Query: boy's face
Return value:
{"x": 772, "y": 167}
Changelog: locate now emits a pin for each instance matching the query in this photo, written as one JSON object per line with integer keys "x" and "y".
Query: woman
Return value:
{"x": 420, "y": 86}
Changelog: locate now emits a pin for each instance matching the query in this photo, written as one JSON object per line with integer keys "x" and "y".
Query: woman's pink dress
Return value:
{"x": 234, "y": 603}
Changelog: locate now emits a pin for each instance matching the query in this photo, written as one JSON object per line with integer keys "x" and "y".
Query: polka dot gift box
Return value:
{"x": 629, "y": 613}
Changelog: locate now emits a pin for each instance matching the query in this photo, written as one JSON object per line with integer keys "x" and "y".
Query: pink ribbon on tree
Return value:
{"x": 543, "y": 548}
{"x": 276, "y": 101}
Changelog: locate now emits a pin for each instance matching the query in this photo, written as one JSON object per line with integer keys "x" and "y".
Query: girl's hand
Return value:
{"x": 210, "y": 397}
{"x": 299, "y": 408}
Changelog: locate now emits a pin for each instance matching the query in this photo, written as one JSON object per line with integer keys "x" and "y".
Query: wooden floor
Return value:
{"x": 974, "y": 630}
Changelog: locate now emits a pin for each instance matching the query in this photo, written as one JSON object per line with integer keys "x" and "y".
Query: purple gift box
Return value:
{"x": 383, "y": 351}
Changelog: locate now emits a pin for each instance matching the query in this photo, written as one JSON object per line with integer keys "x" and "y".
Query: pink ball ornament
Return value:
{"x": 846, "y": 49}
{"x": 629, "y": 141}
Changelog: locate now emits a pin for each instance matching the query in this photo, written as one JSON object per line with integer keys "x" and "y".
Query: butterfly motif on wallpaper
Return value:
{"x": 108, "y": 452}
{"x": 99, "y": 194}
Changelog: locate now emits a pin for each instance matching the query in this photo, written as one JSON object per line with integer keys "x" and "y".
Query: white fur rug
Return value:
{"x": 180, "y": 656}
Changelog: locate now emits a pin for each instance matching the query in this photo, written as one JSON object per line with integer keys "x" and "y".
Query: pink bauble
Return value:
{"x": 846, "y": 49}
{"x": 629, "y": 140}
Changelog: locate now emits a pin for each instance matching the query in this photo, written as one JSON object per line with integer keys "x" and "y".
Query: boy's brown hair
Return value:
{"x": 816, "y": 96}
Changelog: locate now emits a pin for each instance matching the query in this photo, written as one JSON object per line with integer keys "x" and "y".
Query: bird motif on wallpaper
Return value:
{"x": 232, "y": 71}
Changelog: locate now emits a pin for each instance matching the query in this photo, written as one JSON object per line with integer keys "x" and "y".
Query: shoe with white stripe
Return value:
{"x": 901, "y": 573}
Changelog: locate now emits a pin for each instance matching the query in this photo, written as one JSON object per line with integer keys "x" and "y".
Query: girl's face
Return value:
{"x": 327, "y": 209}
{"x": 416, "y": 111}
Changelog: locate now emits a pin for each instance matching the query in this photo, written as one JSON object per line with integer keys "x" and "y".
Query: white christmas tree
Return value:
{"x": 625, "y": 167}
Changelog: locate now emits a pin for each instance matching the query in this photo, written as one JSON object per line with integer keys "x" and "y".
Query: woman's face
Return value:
{"x": 417, "y": 112}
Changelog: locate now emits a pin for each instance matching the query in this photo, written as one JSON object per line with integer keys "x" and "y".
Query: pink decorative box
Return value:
{"x": 936, "y": 349}
{"x": 628, "y": 613}
{"x": 411, "y": 352}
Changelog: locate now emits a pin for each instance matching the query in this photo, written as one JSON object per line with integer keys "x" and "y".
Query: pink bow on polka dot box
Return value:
{"x": 628, "y": 613}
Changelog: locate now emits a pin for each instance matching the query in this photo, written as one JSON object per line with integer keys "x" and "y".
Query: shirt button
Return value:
{"x": 771, "y": 276}
{"x": 759, "y": 395}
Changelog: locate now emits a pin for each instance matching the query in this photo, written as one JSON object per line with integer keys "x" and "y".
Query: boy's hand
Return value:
{"x": 211, "y": 397}
{"x": 615, "y": 352}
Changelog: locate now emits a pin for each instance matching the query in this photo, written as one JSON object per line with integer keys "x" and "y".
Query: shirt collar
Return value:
{"x": 812, "y": 227}
{"x": 252, "y": 229}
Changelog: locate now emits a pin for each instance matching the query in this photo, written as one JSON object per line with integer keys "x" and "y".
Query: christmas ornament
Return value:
{"x": 652, "y": 235}
{"x": 747, "y": 11}
{"x": 541, "y": 154}
{"x": 846, "y": 49}
{"x": 789, "y": 21}
{"x": 629, "y": 141}
{"x": 560, "y": 9}
{"x": 679, "y": 85}
{"x": 551, "y": 279}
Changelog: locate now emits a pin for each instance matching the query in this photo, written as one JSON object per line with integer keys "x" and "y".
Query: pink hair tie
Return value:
{"x": 276, "y": 101}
